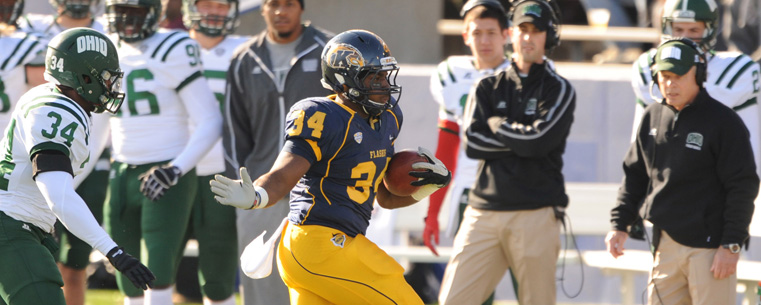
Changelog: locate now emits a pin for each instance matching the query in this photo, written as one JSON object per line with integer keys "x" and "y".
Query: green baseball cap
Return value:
{"x": 675, "y": 56}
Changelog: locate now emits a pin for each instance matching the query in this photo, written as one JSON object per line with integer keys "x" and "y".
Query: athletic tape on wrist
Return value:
{"x": 263, "y": 197}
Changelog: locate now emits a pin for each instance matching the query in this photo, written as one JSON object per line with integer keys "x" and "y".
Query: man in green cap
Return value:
{"x": 696, "y": 177}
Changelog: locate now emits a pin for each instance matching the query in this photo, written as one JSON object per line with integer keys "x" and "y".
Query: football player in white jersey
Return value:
{"x": 210, "y": 23}
{"x": 153, "y": 181}
{"x": 45, "y": 146}
{"x": 74, "y": 256}
{"x": 485, "y": 33}
{"x": 19, "y": 49}
{"x": 69, "y": 14}
{"x": 732, "y": 77}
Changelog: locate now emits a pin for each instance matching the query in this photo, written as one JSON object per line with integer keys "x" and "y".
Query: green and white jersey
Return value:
{"x": 732, "y": 78}
{"x": 44, "y": 119}
{"x": 46, "y": 25}
{"x": 18, "y": 49}
{"x": 153, "y": 122}
{"x": 450, "y": 86}
{"x": 215, "y": 64}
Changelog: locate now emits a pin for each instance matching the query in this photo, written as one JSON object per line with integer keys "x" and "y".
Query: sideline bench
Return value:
{"x": 589, "y": 210}
{"x": 635, "y": 262}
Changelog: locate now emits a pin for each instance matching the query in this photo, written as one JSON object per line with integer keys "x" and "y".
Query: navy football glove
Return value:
{"x": 157, "y": 180}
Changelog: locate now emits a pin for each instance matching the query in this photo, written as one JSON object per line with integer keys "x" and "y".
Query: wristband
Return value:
{"x": 262, "y": 198}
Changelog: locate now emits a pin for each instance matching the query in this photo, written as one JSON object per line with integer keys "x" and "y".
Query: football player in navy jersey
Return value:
{"x": 333, "y": 162}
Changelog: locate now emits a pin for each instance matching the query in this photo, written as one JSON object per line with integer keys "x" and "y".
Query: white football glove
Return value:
{"x": 238, "y": 193}
{"x": 435, "y": 176}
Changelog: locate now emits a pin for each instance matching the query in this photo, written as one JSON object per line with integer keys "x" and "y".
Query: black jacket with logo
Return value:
{"x": 518, "y": 128}
{"x": 694, "y": 170}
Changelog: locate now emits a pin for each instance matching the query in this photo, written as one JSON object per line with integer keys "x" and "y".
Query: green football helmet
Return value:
{"x": 133, "y": 20}
{"x": 705, "y": 11}
{"x": 86, "y": 60}
{"x": 77, "y": 9}
{"x": 210, "y": 25}
{"x": 9, "y": 12}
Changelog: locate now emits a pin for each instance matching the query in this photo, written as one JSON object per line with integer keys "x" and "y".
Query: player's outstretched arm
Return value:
{"x": 57, "y": 189}
{"x": 265, "y": 191}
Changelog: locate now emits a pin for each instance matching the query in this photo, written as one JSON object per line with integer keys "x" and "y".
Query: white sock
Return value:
{"x": 228, "y": 301}
{"x": 159, "y": 296}
{"x": 133, "y": 300}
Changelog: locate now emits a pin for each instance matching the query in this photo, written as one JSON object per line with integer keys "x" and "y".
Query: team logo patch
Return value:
{"x": 533, "y": 9}
{"x": 501, "y": 105}
{"x": 344, "y": 56}
{"x": 92, "y": 43}
{"x": 358, "y": 137}
{"x": 653, "y": 132}
{"x": 219, "y": 51}
{"x": 671, "y": 52}
{"x": 26, "y": 227}
{"x": 338, "y": 240}
{"x": 530, "y": 107}
{"x": 694, "y": 141}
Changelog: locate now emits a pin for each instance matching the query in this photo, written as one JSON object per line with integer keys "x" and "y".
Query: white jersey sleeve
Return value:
{"x": 35, "y": 23}
{"x": 450, "y": 86}
{"x": 163, "y": 79}
{"x": 642, "y": 79}
{"x": 43, "y": 120}
{"x": 643, "y": 86}
{"x": 733, "y": 80}
{"x": 47, "y": 27}
{"x": 216, "y": 61}
{"x": 18, "y": 50}
{"x": 58, "y": 190}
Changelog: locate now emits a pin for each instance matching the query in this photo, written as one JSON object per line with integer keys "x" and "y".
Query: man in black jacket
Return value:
{"x": 696, "y": 177}
{"x": 517, "y": 124}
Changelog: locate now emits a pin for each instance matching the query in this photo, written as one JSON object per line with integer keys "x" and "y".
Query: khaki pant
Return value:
{"x": 489, "y": 242}
{"x": 682, "y": 275}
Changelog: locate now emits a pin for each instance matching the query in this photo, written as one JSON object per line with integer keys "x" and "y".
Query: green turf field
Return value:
{"x": 113, "y": 297}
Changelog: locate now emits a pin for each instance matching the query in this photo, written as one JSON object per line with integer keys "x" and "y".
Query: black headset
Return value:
{"x": 553, "y": 34}
{"x": 700, "y": 71}
{"x": 493, "y": 4}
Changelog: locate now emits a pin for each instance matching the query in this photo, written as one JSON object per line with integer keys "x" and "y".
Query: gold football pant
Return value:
{"x": 322, "y": 265}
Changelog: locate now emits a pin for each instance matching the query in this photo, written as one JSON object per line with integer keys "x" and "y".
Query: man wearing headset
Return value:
{"x": 517, "y": 122}
{"x": 697, "y": 179}
{"x": 732, "y": 78}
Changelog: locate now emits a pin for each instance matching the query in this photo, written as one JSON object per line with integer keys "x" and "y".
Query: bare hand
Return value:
{"x": 615, "y": 242}
{"x": 724, "y": 263}
{"x": 431, "y": 230}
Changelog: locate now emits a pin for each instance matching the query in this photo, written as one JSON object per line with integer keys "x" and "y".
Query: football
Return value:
{"x": 397, "y": 179}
